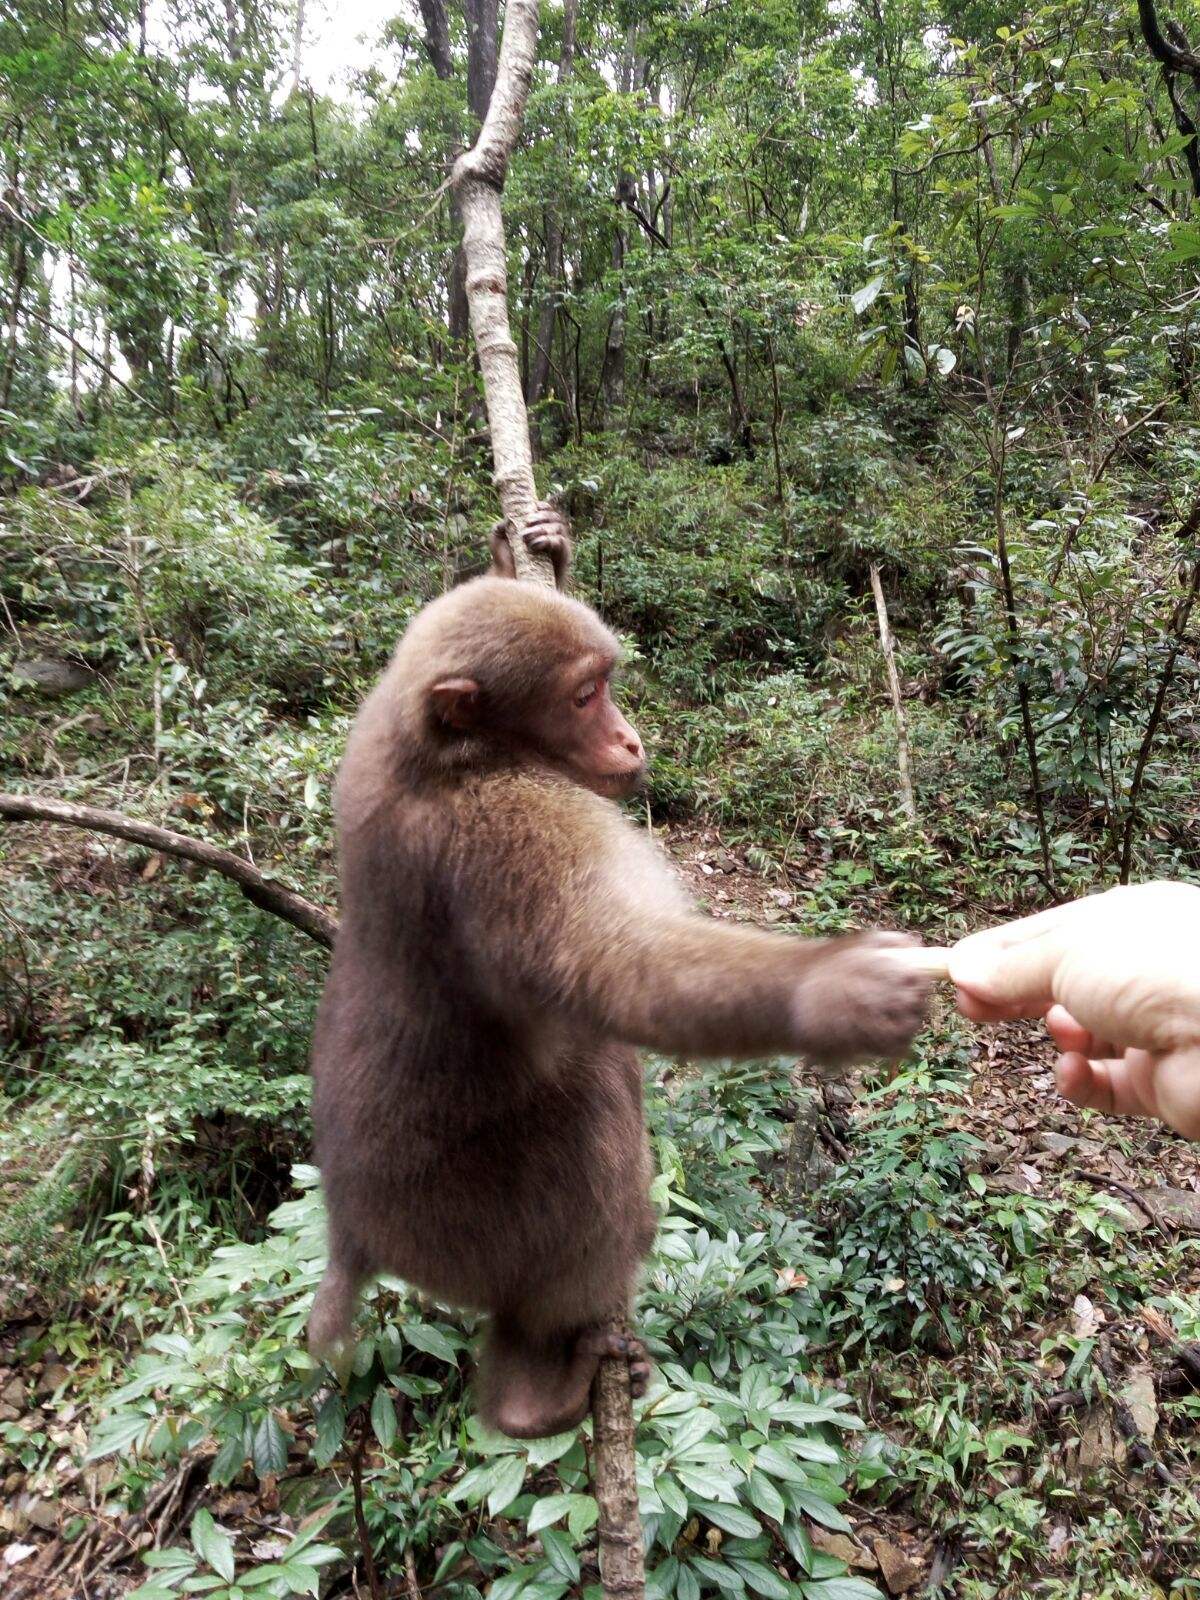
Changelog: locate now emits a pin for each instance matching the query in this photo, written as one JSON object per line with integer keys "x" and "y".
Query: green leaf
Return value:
{"x": 769, "y": 1459}
{"x": 270, "y": 1452}
{"x": 423, "y": 1336}
{"x": 707, "y": 1484}
{"x": 117, "y": 1432}
{"x": 542, "y": 1452}
{"x": 945, "y": 360}
{"x": 510, "y": 1584}
{"x": 761, "y": 1492}
{"x": 688, "y": 1585}
{"x": 227, "y": 1462}
{"x": 841, "y": 1589}
{"x": 672, "y": 1496}
{"x": 560, "y": 1554}
{"x": 732, "y": 1519}
{"x": 331, "y": 1429}
{"x": 548, "y": 1510}
{"x": 865, "y": 297}
{"x": 820, "y": 1510}
{"x": 212, "y": 1544}
{"x": 175, "y": 1559}
{"x": 303, "y": 1578}
{"x": 761, "y": 1578}
{"x": 383, "y": 1418}
{"x": 718, "y": 1572}
{"x": 583, "y": 1515}
{"x": 510, "y": 1476}
{"x": 473, "y": 1485}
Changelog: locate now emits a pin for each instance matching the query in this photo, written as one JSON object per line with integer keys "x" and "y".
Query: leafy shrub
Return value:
{"x": 911, "y": 1235}
{"x": 158, "y": 561}
{"x": 733, "y": 1430}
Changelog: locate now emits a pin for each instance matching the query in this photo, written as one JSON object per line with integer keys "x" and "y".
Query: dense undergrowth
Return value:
{"x": 157, "y": 1032}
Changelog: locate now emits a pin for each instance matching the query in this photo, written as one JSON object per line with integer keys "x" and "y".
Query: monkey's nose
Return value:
{"x": 634, "y": 745}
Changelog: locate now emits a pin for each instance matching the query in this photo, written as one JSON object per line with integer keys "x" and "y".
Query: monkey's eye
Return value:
{"x": 587, "y": 693}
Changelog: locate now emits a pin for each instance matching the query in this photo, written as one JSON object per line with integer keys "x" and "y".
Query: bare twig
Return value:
{"x": 82, "y": 349}
{"x": 260, "y": 890}
{"x": 360, "y": 1515}
{"x": 1139, "y": 1450}
{"x": 1179, "y": 623}
{"x": 1099, "y": 1181}
{"x": 887, "y": 645}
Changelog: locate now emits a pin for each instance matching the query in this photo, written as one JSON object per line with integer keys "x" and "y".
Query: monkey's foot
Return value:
{"x": 608, "y": 1342}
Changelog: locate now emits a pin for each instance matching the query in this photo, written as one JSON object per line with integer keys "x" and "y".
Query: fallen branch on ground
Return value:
{"x": 1139, "y": 1449}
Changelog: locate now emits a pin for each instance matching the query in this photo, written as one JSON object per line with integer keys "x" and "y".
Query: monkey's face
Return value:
{"x": 579, "y": 728}
{"x": 526, "y": 674}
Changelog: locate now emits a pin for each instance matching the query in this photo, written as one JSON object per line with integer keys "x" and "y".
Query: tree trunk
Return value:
{"x": 482, "y": 21}
{"x": 298, "y": 46}
{"x": 479, "y": 177}
{"x": 889, "y": 655}
{"x": 613, "y": 372}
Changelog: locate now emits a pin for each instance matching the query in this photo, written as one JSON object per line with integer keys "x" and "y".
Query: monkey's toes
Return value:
{"x": 640, "y": 1371}
{"x": 627, "y": 1347}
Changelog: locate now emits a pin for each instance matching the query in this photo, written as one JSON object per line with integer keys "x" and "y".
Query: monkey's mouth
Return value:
{"x": 620, "y": 785}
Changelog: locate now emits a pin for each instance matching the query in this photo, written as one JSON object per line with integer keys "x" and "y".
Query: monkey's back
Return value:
{"x": 474, "y": 1146}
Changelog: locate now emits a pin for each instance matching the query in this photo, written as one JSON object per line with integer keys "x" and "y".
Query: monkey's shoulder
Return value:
{"x": 513, "y": 807}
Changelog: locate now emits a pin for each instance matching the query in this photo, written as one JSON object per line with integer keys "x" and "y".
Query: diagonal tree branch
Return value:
{"x": 260, "y": 890}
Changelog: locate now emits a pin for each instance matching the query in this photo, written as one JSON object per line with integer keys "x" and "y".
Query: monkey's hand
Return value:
{"x": 859, "y": 1001}
{"x": 547, "y": 533}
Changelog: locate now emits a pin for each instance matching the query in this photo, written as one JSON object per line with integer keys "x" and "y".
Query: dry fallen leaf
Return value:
{"x": 1157, "y": 1323}
{"x": 1086, "y": 1319}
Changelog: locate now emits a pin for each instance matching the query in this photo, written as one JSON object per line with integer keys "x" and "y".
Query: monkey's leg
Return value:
{"x": 331, "y": 1321}
{"x": 531, "y": 1387}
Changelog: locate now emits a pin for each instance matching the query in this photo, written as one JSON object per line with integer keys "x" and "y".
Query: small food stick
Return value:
{"x": 924, "y": 958}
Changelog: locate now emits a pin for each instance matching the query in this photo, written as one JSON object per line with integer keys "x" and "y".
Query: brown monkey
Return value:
{"x": 507, "y": 937}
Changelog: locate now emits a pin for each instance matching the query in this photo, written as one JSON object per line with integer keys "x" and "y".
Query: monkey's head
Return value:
{"x": 497, "y": 669}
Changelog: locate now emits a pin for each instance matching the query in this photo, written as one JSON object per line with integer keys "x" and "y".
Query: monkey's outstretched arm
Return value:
{"x": 690, "y": 986}
{"x": 601, "y": 935}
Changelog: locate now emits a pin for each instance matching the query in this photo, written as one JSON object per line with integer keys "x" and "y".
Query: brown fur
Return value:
{"x": 506, "y": 938}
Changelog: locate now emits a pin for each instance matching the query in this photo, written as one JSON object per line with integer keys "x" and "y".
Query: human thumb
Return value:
{"x": 1010, "y": 977}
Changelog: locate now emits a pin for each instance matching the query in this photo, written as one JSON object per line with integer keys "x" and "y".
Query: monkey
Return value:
{"x": 508, "y": 938}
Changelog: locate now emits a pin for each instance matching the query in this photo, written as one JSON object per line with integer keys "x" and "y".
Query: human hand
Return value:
{"x": 1117, "y": 977}
{"x": 1131, "y": 1083}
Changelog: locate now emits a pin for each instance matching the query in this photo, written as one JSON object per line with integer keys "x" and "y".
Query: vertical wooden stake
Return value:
{"x": 622, "y": 1560}
{"x": 889, "y": 656}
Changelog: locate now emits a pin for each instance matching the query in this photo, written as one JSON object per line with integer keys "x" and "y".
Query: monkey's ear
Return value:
{"x": 456, "y": 703}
